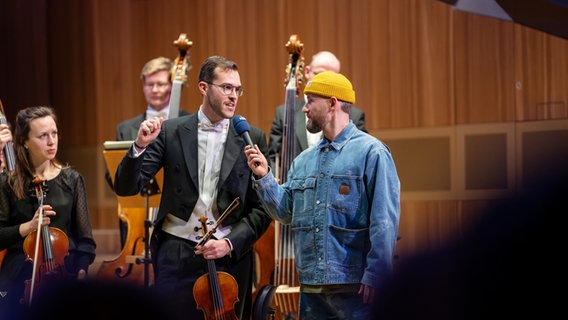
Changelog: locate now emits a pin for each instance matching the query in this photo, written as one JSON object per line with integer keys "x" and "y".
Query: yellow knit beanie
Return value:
{"x": 331, "y": 84}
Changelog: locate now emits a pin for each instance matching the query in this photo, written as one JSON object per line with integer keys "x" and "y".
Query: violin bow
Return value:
{"x": 39, "y": 195}
{"x": 229, "y": 209}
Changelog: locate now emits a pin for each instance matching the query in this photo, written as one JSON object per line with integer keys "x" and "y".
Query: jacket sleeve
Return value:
{"x": 255, "y": 220}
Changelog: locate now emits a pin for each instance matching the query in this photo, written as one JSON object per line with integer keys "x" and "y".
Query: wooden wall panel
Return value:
{"x": 484, "y": 72}
{"x": 24, "y": 67}
{"x": 72, "y": 71}
{"x": 541, "y": 75}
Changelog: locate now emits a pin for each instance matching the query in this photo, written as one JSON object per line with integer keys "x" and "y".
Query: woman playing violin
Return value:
{"x": 64, "y": 207}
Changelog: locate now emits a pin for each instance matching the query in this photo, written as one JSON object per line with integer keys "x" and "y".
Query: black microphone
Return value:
{"x": 241, "y": 125}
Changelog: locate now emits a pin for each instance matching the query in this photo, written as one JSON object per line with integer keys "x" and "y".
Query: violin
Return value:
{"x": 49, "y": 246}
{"x": 216, "y": 292}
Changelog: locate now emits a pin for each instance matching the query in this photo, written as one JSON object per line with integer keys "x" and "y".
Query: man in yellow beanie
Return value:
{"x": 342, "y": 199}
{"x": 302, "y": 139}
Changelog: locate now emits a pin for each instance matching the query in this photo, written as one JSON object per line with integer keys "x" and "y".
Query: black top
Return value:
{"x": 67, "y": 194}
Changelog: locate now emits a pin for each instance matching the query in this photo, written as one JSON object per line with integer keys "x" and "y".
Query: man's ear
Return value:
{"x": 333, "y": 102}
{"x": 202, "y": 87}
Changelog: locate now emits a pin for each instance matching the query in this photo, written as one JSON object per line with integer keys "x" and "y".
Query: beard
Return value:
{"x": 314, "y": 125}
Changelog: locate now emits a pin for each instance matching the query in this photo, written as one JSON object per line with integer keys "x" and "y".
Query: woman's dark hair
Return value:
{"x": 23, "y": 173}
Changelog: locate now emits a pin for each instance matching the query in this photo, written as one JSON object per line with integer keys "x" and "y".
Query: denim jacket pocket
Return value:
{"x": 344, "y": 197}
{"x": 346, "y": 253}
{"x": 303, "y": 194}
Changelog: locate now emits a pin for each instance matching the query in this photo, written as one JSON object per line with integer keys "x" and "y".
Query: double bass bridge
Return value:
{"x": 286, "y": 299}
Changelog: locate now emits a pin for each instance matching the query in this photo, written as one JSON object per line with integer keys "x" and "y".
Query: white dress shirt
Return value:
{"x": 211, "y": 146}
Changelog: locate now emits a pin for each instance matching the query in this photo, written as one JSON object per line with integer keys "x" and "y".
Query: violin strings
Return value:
{"x": 215, "y": 290}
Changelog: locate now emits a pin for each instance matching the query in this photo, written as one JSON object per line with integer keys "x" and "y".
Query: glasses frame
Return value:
{"x": 239, "y": 91}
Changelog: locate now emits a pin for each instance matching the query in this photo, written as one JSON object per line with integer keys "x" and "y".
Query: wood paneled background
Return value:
{"x": 419, "y": 68}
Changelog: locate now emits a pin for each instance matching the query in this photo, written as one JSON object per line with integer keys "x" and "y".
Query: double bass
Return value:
{"x": 216, "y": 292}
{"x": 46, "y": 248}
{"x": 280, "y": 294}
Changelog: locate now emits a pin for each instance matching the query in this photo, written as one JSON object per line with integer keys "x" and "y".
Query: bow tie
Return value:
{"x": 212, "y": 127}
{"x": 151, "y": 114}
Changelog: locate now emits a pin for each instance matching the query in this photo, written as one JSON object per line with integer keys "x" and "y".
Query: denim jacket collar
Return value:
{"x": 342, "y": 138}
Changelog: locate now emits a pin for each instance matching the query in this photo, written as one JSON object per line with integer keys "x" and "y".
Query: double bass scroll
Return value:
{"x": 179, "y": 73}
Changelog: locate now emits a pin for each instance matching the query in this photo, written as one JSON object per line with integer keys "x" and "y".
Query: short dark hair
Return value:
{"x": 207, "y": 72}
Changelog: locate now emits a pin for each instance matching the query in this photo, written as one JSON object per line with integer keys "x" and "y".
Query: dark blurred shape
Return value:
{"x": 95, "y": 300}
{"x": 510, "y": 264}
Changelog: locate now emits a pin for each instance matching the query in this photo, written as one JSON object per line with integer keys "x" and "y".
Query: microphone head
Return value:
{"x": 240, "y": 123}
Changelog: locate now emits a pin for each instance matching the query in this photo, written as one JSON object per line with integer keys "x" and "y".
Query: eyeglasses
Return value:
{"x": 160, "y": 85}
{"x": 228, "y": 89}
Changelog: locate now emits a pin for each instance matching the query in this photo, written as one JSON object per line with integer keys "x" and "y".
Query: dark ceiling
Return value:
{"x": 550, "y": 16}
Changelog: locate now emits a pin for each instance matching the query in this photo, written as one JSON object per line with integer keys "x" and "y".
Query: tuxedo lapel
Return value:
{"x": 188, "y": 141}
{"x": 135, "y": 125}
{"x": 133, "y": 132}
{"x": 234, "y": 146}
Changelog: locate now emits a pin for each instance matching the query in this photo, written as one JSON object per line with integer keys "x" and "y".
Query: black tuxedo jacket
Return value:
{"x": 125, "y": 131}
{"x": 128, "y": 129}
{"x": 301, "y": 138}
{"x": 175, "y": 150}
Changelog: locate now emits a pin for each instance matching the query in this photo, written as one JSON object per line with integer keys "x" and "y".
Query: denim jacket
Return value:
{"x": 342, "y": 199}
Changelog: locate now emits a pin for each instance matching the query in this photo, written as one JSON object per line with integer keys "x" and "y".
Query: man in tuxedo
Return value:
{"x": 205, "y": 170}
{"x": 156, "y": 81}
{"x": 321, "y": 61}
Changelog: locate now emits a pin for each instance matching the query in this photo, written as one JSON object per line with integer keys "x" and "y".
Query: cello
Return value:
{"x": 284, "y": 286}
{"x": 49, "y": 247}
{"x": 216, "y": 292}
